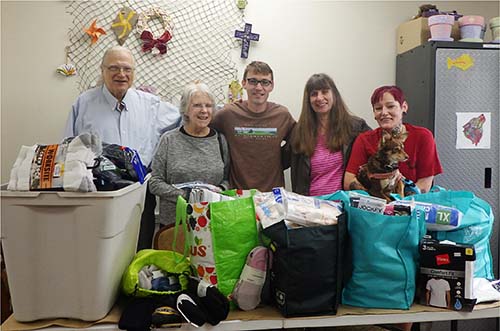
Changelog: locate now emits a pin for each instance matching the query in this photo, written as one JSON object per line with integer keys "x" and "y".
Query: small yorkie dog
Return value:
{"x": 380, "y": 175}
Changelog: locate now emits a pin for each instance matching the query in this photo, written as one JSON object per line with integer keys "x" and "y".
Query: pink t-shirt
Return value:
{"x": 326, "y": 169}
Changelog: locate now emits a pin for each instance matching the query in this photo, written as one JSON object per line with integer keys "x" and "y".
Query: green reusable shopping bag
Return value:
{"x": 171, "y": 262}
{"x": 239, "y": 193}
{"x": 219, "y": 236}
{"x": 234, "y": 235}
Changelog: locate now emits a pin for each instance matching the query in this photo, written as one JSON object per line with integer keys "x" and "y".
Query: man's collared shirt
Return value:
{"x": 139, "y": 125}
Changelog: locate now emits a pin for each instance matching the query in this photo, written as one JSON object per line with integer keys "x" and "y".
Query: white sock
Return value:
{"x": 79, "y": 155}
{"x": 24, "y": 171}
{"x": 14, "y": 173}
{"x": 77, "y": 178}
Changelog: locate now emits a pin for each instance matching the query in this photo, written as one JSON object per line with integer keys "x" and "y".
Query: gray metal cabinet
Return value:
{"x": 440, "y": 83}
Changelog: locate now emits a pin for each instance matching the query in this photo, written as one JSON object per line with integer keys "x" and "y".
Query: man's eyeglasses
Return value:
{"x": 255, "y": 82}
{"x": 115, "y": 69}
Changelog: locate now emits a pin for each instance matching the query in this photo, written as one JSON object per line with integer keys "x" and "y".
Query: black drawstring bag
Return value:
{"x": 307, "y": 268}
{"x": 127, "y": 160}
{"x": 118, "y": 166}
{"x": 108, "y": 177}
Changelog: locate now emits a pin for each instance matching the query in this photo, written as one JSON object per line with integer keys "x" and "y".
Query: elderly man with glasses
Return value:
{"x": 255, "y": 130}
{"x": 122, "y": 115}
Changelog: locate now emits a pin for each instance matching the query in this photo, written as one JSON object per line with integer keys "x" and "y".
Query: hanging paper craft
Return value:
{"x": 94, "y": 32}
{"x": 245, "y": 37}
{"x": 66, "y": 69}
{"x": 235, "y": 92}
{"x": 123, "y": 24}
{"x": 152, "y": 44}
{"x": 241, "y": 4}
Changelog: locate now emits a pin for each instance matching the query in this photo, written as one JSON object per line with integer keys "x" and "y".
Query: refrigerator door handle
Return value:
{"x": 487, "y": 177}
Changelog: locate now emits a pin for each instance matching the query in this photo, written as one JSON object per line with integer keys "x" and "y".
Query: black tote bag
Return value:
{"x": 307, "y": 267}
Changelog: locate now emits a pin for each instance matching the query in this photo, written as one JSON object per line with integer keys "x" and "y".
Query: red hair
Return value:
{"x": 395, "y": 91}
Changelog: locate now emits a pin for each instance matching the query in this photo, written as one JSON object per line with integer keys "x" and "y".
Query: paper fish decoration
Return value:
{"x": 464, "y": 62}
{"x": 66, "y": 69}
{"x": 94, "y": 32}
{"x": 150, "y": 42}
{"x": 235, "y": 92}
{"x": 123, "y": 24}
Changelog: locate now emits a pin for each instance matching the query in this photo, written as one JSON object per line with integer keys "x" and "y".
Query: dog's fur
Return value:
{"x": 381, "y": 176}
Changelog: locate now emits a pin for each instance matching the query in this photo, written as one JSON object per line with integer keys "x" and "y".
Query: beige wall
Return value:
{"x": 353, "y": 41}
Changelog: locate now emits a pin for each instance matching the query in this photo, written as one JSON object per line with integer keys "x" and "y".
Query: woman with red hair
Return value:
{"x": 389, "y": 107}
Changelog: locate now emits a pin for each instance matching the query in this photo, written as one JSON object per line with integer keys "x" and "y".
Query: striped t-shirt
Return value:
{"x": 326, "y": 169}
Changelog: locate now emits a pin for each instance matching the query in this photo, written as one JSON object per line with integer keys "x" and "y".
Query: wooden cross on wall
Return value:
{"x": 246, "y": 35}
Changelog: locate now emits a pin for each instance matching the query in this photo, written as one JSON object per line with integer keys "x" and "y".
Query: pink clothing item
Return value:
{"x": 326, "y": 169}
{"x": 248, "y": 289}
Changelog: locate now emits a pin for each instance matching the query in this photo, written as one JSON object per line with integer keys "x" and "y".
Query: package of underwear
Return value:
{"x": 446, "y": 275}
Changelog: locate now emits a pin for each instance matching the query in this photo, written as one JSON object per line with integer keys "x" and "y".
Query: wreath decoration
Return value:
{"x": 152, "y": 44}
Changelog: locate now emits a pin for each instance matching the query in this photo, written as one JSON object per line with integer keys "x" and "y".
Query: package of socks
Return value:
{"x": 446, "y": 275}
{"x": 65, "y": 252}
{"x": 307, "y": 267}
{"x": 65, "y": 166}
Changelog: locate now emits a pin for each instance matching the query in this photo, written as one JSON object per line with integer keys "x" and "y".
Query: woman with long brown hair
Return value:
{"x": 322, "y": 139}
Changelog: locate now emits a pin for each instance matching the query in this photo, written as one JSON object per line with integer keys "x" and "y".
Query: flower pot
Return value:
{"x": 495, "y": 29}
{"x": 471, "y": 27}
{"x": 483, "y": 32}
{"x": 440, "y": 26}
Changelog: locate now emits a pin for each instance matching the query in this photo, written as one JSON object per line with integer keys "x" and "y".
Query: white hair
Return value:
{"x": 116, "y": 49}
{"x": 190, "y": 90}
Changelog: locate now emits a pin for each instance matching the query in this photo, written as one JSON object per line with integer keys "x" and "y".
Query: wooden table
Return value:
{"x": 269, "y": 318}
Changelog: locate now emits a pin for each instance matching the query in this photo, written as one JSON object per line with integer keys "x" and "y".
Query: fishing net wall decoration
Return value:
{"x": 203, "y": 37}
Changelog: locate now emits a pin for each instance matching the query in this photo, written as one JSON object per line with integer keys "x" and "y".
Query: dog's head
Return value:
{"x": 391, "y": 147}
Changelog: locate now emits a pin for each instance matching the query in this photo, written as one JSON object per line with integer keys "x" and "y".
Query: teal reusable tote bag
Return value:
{"x": 384, "y": 260}
{"x": 384, "y": 256}
{"x": 475, "y": 226}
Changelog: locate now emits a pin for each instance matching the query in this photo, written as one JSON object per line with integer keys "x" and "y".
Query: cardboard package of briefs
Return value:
{"x": 446, "y": 275}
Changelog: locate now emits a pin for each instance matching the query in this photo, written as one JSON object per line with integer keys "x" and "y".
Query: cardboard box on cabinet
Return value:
{"x": 416, "y": 32}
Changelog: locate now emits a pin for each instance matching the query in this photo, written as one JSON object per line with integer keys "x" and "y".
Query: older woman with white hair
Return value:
{"x": 193, "y": 152}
